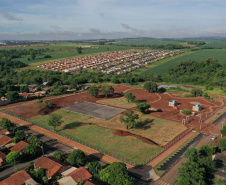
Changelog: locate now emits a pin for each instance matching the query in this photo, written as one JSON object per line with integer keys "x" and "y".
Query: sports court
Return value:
{"x": 95, "y": 110}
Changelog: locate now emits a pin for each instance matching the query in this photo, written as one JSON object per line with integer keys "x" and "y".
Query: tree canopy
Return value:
{"x": 13, "y": 157}
{"x": 116, "y": 174}
{"x": 19, "y": 135}
{"x": 55, "y": 120}
{"x": 94, "y": 91}
{"x": 7, "y": 124}
{"x": 107, "y": 90}
{"x": 130, "y": 120}
{"x": 77, "y": 157}
{"x": 151, "y": 87}
{"x": 222, "y": 144}
{"x": 143, "y": 107}
{"x": 13, "y": 95}
{"x": 129, "y": 96}
{"x": 223, "y": 131}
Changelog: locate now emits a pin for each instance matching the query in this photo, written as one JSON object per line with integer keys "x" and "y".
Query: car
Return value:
{"x": 214, "y": 137}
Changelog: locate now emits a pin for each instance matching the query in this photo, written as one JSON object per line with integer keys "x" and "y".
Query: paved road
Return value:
{"x": 171, "y": 176}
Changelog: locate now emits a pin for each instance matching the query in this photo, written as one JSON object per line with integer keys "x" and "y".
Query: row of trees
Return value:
{"x": 105, "y": 89}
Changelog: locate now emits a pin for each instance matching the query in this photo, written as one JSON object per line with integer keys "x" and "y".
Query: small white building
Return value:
{"x": 173, "y": 103}
{"x": 197, "y": 107}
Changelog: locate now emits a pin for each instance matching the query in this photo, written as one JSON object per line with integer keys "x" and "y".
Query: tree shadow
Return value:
{"x": 150, "y": 111}
{"x": 145, "y": 124}
{"x": 73, "y": 125}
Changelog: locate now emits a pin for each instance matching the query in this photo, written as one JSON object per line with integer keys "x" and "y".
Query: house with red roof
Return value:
{"x": 72, "y": 176}
{"x": 4, "y": 132}
{"x": 53, "y": 166}
{"x": 19, "y": 178}
{"x": 2, "y": 157}
{"x": 4, "y": 140}
{"x": 19, "y": 146}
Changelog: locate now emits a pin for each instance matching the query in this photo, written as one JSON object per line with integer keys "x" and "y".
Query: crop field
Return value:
{"x": 200, "y": 55}
{"x": 147, "y": 42}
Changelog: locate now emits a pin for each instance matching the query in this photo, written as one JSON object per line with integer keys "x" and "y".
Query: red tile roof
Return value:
{"x": 82, "y": 173}
{"x": 48, "y": 164}
{"x": 18, "y": 178}
{"x": 5, "y": 140}
{"x": 3, "y": 132}
{"x": 88, "y": 183}
{"x": 19, "y": 146}
{"x": 2, "y": 155}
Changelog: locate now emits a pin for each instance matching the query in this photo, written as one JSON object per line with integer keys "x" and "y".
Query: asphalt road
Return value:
{"x": 170, "y": 177}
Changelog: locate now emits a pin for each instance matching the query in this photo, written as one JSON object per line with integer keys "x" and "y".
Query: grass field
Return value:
{"x": 153, "y": 129}
{"x": 127, "y": 148}
{"x": 119, "y": 102}
{"x": 199, "y": 55}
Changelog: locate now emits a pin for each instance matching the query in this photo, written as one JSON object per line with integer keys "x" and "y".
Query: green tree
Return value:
{"x": 192, "y": 155}
{"x": 196, "y": 92}
{"x": 218, "y": 181}
{"x": 19, "y": 136}
{"x": 151, "y": 87}
{"x": 57, "y": 155}
{"x": 77, "y": 157}
{"x": 33, "y": 140}
{"x": 186, "y": 111}
{"x": 55, "y": 120}
{"x": 130, "y": 120}
{"x": 191, "y": 173}
{"x": 7, "y": 124}
{"x": 2, "y": 92}
{"x": 116, "y": 174}
{"x": 143, "y": 107}
{"x": 33, "y": 55}
{"x": 13, "y": 95}
{"x": 107, "y": 89}
{"x": 31, "y": 149}
{"x": 223, "y": 131}
{"x": 206, "y": 150}
{"x": 94, "y": 91}
{"x": 222, "y": 144}
{"x": 129, "y": 97}
{"x": 94, "y": 167}
{"x": 79, "y": 50}
{"x": 13, "y": 157}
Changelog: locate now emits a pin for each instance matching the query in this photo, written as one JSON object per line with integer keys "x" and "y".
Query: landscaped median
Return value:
{"x": 157, "y": 167}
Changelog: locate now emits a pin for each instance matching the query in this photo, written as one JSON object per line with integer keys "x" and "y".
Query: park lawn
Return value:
{"x": 159, "y": 130}
{"x": 119, "y": 102}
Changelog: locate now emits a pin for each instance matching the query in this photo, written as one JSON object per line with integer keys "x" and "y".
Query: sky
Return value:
{"x": 110, "y": 19}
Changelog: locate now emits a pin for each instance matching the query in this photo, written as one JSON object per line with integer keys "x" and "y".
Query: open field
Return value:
{"x": 118, "y": 102}
{"x": 81, "y": 127}
{"x": 166, "y": 64}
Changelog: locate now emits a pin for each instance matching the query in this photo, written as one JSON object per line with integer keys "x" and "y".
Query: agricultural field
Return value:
{"x": 147, "y": 41}
{"x": 166, "y": 64}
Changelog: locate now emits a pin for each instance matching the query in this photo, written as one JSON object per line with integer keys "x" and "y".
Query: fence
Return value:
{"x": 177, "y": 138}
{"x": 214, "y": 112}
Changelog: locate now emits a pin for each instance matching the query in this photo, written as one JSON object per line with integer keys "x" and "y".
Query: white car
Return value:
{"x": 214, "y": 137}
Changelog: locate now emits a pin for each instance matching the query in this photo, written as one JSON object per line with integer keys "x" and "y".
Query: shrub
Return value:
{"x": 186, "y": 111}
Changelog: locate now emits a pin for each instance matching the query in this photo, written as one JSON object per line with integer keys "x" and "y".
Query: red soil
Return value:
{"x": 125, "y": 134}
